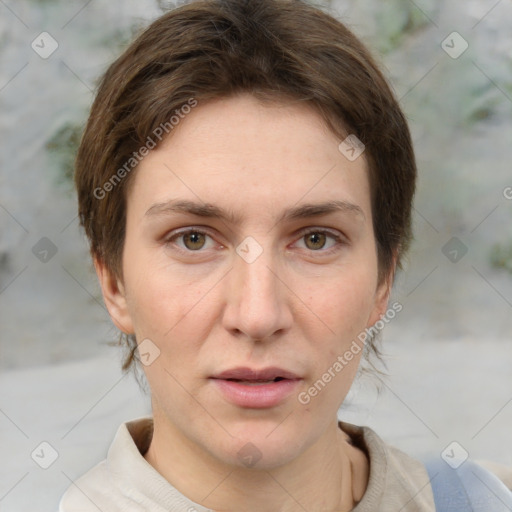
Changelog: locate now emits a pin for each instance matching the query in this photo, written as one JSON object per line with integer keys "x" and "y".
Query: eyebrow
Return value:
{"x": 302, "y": 211}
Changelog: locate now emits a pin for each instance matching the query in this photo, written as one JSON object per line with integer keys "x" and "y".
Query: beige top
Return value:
{"x": 126, "y": 482}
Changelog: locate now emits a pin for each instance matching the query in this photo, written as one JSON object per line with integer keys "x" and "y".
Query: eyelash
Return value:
{"x": 340, "y": 241}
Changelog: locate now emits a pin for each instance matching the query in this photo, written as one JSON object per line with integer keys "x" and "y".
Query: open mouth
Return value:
{"x": 244, "y": 374}
{"x": 256, "y": 389}
{"x": 256, "y": 381}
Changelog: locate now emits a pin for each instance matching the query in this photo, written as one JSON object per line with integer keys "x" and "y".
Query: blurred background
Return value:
{"x": 449, "y": 351}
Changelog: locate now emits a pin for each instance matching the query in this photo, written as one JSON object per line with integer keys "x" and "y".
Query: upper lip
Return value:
{"x": 243, "y": 373}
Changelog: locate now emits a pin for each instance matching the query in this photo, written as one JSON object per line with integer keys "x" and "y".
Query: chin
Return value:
{"x": 260, "y": 445}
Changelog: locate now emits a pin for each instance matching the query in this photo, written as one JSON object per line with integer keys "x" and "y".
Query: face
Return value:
{"x": 249, "y": 268}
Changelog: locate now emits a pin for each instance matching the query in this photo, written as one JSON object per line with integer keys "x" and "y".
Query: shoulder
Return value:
{"x": 504, "y": 473}
{"x": 396, "y": 481}
{"x": 89, "y": 492}
{"x": 400, "y": 482}
{"x": 101, "y": 488}
{"x": 466, "y": 485}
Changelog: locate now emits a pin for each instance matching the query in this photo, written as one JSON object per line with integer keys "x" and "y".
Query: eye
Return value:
{"x": 197, "y": 240}
{"x": 191, "y": 240}
{"x": 318, "y": 240}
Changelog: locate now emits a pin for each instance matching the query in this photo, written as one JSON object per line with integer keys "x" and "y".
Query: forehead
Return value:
{"x": 252, "y": 159}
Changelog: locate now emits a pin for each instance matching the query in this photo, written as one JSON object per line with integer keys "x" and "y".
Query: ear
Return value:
{"x": 382, "y": 294}
{"x": 114, "y": 296}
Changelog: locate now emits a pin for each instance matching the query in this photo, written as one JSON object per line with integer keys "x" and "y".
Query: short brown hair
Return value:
{"x": 273, "y": 49}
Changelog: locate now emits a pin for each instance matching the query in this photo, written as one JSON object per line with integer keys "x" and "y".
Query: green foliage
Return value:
{"x": 63, "y": 147}
{"x": 395, "y": 19}
{"x": 501, "y": 256}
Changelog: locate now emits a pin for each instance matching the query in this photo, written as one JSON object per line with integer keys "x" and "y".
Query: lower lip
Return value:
{"x": 256, "y": 396}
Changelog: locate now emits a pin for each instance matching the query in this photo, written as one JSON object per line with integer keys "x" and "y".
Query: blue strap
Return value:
{"x": 469, "y": 488}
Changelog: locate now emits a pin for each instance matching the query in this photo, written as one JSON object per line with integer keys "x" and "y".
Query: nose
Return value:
{"x": 257, "y": 302}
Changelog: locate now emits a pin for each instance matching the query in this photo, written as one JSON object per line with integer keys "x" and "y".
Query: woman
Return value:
{"x": 245, "y": 181}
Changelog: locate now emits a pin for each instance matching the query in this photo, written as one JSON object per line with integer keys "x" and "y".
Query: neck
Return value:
{"x": 321, "y": 479}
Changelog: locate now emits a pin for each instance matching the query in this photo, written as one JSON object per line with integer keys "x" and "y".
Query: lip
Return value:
{"x": 244, "y": 386}
{"x": 244, "y": 373}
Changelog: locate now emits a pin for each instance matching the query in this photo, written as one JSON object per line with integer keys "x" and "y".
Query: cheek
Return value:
{"x": 159, "y": 308}
{"x": 345, "y": 306}
{"x": 165, "y": 304}
{"x": 346, "y": 303}
{"x": 156, "y": 297}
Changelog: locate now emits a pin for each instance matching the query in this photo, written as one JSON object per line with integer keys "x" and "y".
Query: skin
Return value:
{"x": 298, "y": 306}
